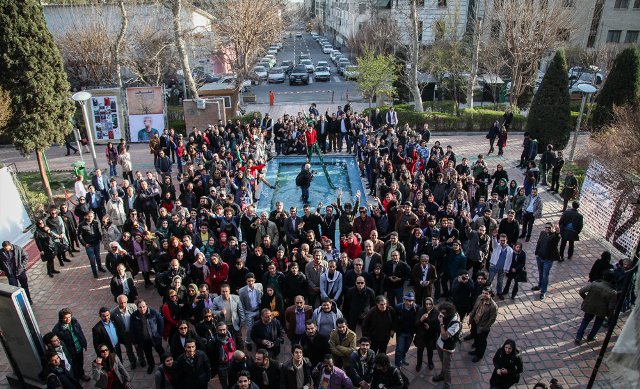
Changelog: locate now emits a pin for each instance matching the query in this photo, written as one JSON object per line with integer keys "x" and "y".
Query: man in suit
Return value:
{"x": 295, "y": 317}
{"x": 267, "y": 333}
{"x": 108, "y": 331}
{"x": 392, "y": 117}
{"x": 101, "y": 183}
{"x": 291, "y": 229}
{"x": 123, "y": 312}
{"x": 423, "y": 276}
{"x": 250, "y": 296}
{"x": 571, "y": 223}
{"x": 369, "y": 257}
{"x": 96, "y": 200}
{"x": 322, "y": 129}
{"x": 344, "y": 127}
{"x": 229, "y": 307}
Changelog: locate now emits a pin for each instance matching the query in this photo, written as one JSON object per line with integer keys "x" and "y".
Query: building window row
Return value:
{"x": 614, "y": 36}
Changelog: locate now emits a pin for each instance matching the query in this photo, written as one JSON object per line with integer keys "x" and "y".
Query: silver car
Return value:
{"x": 276, "y": 74}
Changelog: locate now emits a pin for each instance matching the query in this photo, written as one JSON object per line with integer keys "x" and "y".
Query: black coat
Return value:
{"x": 571, "y": 223}
{"x": 512, "y": 363}
{"x": 193, "y": 376}
{"x": 315, "y": 349}
{"x": 273, "y": 372}
{"x": 117, "y": 287}
{"x": 65, "y": 336}
{"x": 288, "y": 375}
{"x": 100, "y": 335}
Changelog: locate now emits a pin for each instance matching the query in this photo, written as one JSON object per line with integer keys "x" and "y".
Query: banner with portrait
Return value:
{"x": 106, "y": 115}
{"x": 146, "y": 108}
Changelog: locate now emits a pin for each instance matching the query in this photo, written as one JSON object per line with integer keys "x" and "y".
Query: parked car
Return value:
{"x": 351, "y": 72}
{"x": 271, "y": 58}
{"x": 299, "y": 75}
{"x": 309, "y": 65}
{"x": 322, "y": 73}
{"x": 272, "y": 51}
{"x": 327, "y": 49}
{"x": 287, "y": 65}
{"x": 260, "y": 72}
{"x": 334, "y": 54}
{"x": 276, "y": 74}
{"x": 342, "y": 64}
{"x": 337, "y": 58}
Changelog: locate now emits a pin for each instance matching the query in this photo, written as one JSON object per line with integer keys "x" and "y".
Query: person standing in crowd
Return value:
{"x": 571, "y": 223}
{"x": 45, "y": 240}
{"x": 507, "y": 366}
{"x": 385, "y": 375}
{"x": 108, "y": 370}
{"x": 546, "y": 254}
{"x": 296, "y": 373}
{"x": 295, "y": 318}
{"x": 427, "y": 332}
{"x": 342, "y": 342}
{"x": 532, "y": 210}
{"x": 123, "y": 312}
{"x": 450, "y": 328}
{"x": 267, "y": 333}
{"x": 378, "y": 325}
{"x": 250, "y": 297}
{"x": 266, "y": 371}
{"x": 192, "y": 369}
{"x": 556, "y": 169}
{"x": 361, "y": 364}
{"x": 482, "y": 317}
{"x": 599, "y": 301}
{"x": 569, "y": 190}
{"x": 330, "y": 376}
{"x": 148, "y": 327}
{"x": 500, "y": 263}
{"x": 517, "y": 272}
{"x": 405, "y": 328}
{"x": 70, "y": 333}
{"x": 90, "y": 237}
{"x": 56, "y": 376}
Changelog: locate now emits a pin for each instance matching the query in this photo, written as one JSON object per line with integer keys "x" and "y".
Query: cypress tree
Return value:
{"x": 622, "y": 86}
{"x": 32, "y": 72}
{"x": 549, "y": 119}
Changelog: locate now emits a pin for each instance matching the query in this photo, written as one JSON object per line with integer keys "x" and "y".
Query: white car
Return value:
{"x": 309, "y": 65}
{"x": 273, "y": 51}
{"x": 276, "y": 74}
{"x": 351, "y": 72}
{"x": 268, "y": 61}
{"x": 334, "y": 54}
{"x": 298, "y": 35}
{"x": 322, "y": 63}
{"x": 260, "y": 72}
{"x": 322, "y": 73}
{"x": 327, "y": 49}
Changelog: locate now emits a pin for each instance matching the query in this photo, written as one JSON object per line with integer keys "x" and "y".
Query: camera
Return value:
{"x": 201, "y": 297}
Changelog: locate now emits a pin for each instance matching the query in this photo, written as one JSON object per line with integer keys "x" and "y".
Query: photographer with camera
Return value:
{"x": 303, "y": 180}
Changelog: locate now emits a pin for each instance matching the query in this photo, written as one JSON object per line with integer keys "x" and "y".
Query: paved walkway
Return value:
{"x": 543, "y": 330}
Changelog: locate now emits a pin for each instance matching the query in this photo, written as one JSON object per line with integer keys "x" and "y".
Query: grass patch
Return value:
{"x": 34, "y": 189}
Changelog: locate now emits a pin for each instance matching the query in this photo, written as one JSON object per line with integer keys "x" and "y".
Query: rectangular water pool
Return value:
{"x": 282, "y": 172}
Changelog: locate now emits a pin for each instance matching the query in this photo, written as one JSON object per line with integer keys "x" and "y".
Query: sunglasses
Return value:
{"x": 360, "y": 283}
{"x": 104, "y": 350}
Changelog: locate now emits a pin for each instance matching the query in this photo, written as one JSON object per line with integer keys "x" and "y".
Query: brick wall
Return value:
{"x": 200, "y": 118}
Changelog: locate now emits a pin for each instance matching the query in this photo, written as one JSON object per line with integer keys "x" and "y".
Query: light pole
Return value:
{"x": 585, "y": 90}
{"x": 82, "y": 98}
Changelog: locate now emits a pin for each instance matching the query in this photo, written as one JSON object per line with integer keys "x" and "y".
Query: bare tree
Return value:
{"x": 176, "y": 7}
{"x": 529, "y": 30}
{"x": 377, "y": 35}
{"x": 413, "y": 56}
{"x": 120, "y": 41}
{"x": 244, "y": 28}
{"x": 492, "y": 64}
{"x": 149, "y": 55}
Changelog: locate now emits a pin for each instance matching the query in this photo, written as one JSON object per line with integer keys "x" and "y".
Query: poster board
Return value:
{"x": 14, "y": 219}
{"x": 146, "y": 114}
{"x": 105, "y": 112}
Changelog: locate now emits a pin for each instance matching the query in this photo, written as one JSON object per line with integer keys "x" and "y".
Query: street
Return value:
{"x": 336, "y": 90}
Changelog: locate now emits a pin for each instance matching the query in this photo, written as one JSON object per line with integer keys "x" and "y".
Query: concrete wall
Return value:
{"x": 200, "y": 118}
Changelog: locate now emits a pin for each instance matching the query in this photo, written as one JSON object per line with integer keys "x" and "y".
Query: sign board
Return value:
{"x": 105, "y": 111}
{"x": 146, "y": 112}
{"x": 14, "y": 219}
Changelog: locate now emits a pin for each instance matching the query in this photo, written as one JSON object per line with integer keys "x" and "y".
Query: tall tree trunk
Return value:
{"x": 120, "y": 41}
{"x": 190, "y": 84}
{"x": 414, "y": 48}
{"x": 43, "y": 175}
{"x": 474, "y": 60}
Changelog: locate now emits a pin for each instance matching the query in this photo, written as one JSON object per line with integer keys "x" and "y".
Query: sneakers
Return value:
{"x": 535, "y": 288}
{"x": 577, "y": 341}
{"x": 590, "y": 339}
{"x": 541, "y": 296}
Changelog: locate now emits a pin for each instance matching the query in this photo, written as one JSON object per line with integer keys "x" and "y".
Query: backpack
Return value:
{"x": 299, "y": 179}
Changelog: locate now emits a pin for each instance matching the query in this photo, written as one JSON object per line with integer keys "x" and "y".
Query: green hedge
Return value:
{"x": 470, "y": 120}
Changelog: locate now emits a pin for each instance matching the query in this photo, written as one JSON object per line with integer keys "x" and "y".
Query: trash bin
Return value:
{"x": 79, "y": 169}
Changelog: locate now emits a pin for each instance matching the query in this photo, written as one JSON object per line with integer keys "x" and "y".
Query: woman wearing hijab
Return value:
{"x": 507, "y": 366}
{"x": 600, "y": 266}
{"x": 171, "y": 314}
{"x": 46, "y": 244}
{"x": 427, "y": 329}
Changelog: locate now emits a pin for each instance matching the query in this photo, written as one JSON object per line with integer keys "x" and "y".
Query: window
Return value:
{"x": 613, "y": 36}
{"x": 621, "y": 4}
{"x": 441, "y": 3}
{"x": 227, "y": 101}
{"x": 420, "y": 24}
{"x": 631, "y": 37}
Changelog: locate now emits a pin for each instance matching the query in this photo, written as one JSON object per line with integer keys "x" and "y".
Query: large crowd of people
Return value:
{"x": 440, "y": 239}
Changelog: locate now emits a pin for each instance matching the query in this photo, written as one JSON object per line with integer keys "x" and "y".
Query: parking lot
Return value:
{"x": 336, "y": 89}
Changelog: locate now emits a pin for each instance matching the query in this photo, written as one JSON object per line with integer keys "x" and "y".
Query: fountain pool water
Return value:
{"x": 282, "y": 172}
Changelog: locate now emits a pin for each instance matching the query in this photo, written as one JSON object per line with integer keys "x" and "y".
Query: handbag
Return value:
{"x": 522, "y": 276}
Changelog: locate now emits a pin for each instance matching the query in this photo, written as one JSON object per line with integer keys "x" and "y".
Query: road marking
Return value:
{"x": 336, "y": 79}
{"x": 310, "y": 80}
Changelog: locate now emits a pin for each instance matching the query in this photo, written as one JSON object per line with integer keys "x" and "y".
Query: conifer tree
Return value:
{"x": 549, "y": 119}
{"x": 33, "y": 74}
{"x": 621, "y": 87}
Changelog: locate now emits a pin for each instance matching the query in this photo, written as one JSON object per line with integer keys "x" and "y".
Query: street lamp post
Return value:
{"x": 82, "y": 98}
{"x": 585, "y": 90}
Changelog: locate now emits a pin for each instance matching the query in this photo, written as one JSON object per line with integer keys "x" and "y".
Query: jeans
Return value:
{"x": 23, "y": 281}
{"x": 250, "y": 317}
{"x": 544, "y": 267}
{"x": 112, "y": 169}
{"x": 585, "y": 322}
{"x": 93, "y": 252}
{"x": 527, "y": 224}
{"x": 403, "y": 342}
{"x": 394, "y": 296}
{"x": 305, "y": 193}
{"x": 445, "y": 358}
{"x": 563, "y": 244}
{"x": 347, "y": 140}
{"x": 493, "y": 271}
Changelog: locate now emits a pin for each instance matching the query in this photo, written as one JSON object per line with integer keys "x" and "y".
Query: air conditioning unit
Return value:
{"x": 201, "y": 103}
